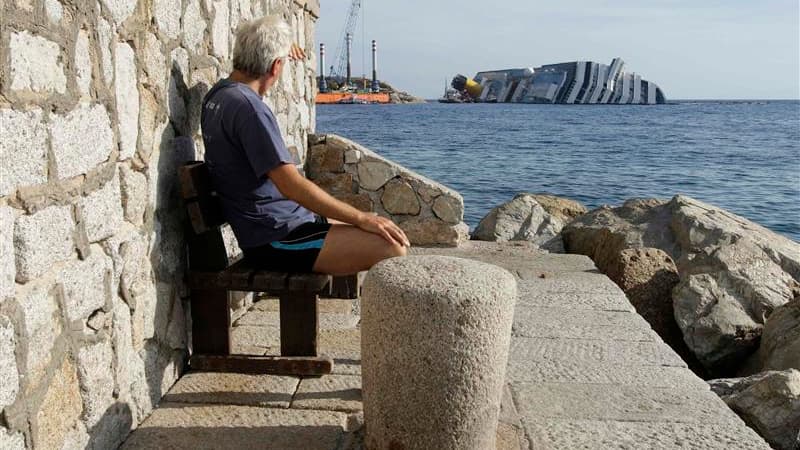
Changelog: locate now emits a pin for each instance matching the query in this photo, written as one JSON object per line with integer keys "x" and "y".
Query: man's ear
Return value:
{"x": 276, "y": 68}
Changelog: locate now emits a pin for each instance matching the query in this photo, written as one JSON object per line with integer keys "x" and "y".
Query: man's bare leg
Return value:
{"x": 348, "y": 249}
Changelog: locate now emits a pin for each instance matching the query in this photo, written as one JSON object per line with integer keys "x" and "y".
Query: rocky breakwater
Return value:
{"x": 731, "y": 285}
{"x": 428, "y": 212}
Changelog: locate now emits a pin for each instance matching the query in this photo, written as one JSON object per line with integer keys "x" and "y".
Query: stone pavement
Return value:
{"x": 585, "y": 371}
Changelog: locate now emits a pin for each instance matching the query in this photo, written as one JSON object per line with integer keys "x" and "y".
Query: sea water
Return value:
{"x": 743, "y": 156}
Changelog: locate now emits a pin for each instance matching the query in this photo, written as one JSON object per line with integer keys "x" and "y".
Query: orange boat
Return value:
{"x": 327, "y": 98}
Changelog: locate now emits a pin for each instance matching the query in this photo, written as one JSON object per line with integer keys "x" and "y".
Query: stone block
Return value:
{"x": 83, "y": 63}
{"x": 155, "y": 64}
{"x": 7, "y": 267}
{"x": 336, "y": 183}
{"x": 23, "y": 149}
{"x": 194, "y": 26}
{"x": 96, "y": 377}
{"x": 86, "y": 285}
{"x": 599, "y": 434}
{"x": 373, "y": 174}
{"x": 35, "y": 64}
{"x": 101, "y": 211}
{"x": 41, "y": 326}
{"x": 329, "y": 393}
{"x": 273, "y": 391}
{"x": 220, "y": 28}
{"x": 526, "y": 368}
{"x": 361, "y": 202}
{"x": 134, "y": 192}
{"x": 621, "y": 403}
{"x": 120, "y": 9}
{"x": 177, "y": 425}
{"x": 399, "y": 198}
{"x": 551, "y": 323}
{"x": 591, "y": 351}
{"x": 42, "y": 240}
{"x": 126, "y": 90}
{"x": 449, "y": 208}
{"x": 573, "y": 300}
{"x": 11, "y": 440}
{"x": 167, "y": 14}
{"x": 105, "y": 33}
{"x": 327, "y": 321}
{"x": 352, "y": 156}
{"x": 258, "y": 336}
{"x": 435, "y": 232}
{"x": 81, "y": 140}
{"x": 59, "y": 410}
{"x": 124, "y": 354}
{"x": 450, "y": 319}
{"x": 8, "y": 366}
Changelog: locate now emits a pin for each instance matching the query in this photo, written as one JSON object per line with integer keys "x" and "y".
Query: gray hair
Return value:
{"x": 259, "y": 43}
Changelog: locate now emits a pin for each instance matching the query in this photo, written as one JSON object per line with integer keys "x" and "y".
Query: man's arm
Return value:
{"x": 296, "y": 187}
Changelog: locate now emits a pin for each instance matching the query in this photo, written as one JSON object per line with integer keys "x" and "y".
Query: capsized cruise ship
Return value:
{"x": 579, "y": 82}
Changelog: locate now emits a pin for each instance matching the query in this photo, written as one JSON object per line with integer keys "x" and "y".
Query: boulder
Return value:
{"x": 733, "y": 272}
{"x": 525, "y": 218}
{"x": 768, "y": 402}
{"x": 780, "y": 341}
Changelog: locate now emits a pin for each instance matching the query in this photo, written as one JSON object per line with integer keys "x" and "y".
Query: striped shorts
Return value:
{"x": 297, "y": 252}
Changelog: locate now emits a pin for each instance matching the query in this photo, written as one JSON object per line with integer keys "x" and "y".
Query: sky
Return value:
{"x": 693, "y": 49}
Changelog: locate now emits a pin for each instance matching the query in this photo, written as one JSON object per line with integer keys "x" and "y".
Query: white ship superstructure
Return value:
{"x": 579, "y": 82}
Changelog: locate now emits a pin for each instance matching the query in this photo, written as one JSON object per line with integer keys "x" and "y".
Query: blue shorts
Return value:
{"x": 297, "y": 252}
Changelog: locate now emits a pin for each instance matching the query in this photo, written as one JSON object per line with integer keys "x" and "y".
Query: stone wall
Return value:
{"x": 99, "y": 104}
{"x": 429, "y": 213}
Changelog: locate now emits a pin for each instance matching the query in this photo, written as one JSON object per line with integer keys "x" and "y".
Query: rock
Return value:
{"x": 10, "y": 440}
{"x": 448, "y": 208}
{"x": 450, "y": 319}
{"x": 8, "y": 366}
{"x": 59, "y": 410}
{"x": 35, "y": 64}
{"x": 220, "y": 28}
{"x": 83, "y": 63}
{"x": 733, "y": 272}
{"x": 7, "y": 268}
{"x": 23, "y": 149}
{"x": 780, "y": 340}
{"x": 101, "y": 211}
{"x": 127, "y": 95}
{"x": 562, "y": 208}
{"x": 167, "y": 14}
{"x": 521, "y": 219}
{"x": 86, "y": 285}
{"x": 399, "y": 198}
{"x": 54, "y": 11}
{"x": 41, "y": 326}
{"x": 372, "y": 175}
{"x": 120, "y": 9}
{"x": 361, "y": 202}
{"x": 81, "y": 140}
{"x": 104, "y": 35}
{"x": 41, "y": 240}
{"x": 336, "y": 183}
{"x": 434, "y": 232}
{"x": 96, "y": 380}
{"x": 194, "y": 27}
{"x": 768, "y": 402}
{"x": 134, "y": 194}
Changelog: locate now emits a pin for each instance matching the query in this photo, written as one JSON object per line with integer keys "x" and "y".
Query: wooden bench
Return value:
{"x": 213, "y": 280}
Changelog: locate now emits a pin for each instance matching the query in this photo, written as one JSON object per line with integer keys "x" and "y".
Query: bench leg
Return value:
{"x": 211, "y": 322}
{"x": 299, "y": 324}
{"x": 347, "y": 286}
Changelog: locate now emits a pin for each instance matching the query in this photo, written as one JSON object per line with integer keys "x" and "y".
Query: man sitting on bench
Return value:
{"x": 268, "y": 203}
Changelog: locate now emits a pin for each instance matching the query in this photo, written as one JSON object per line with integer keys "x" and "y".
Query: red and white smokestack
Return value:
{"x": 375, "y": 86}
{"x": 349, "y": 48}
{"x": 323, "y": 84}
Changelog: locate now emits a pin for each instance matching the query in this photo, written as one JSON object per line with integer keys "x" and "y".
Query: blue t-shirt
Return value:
{"x": 243, "y": 143}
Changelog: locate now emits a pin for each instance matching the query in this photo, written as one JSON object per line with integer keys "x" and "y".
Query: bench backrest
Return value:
{"x": 206, "y": 245}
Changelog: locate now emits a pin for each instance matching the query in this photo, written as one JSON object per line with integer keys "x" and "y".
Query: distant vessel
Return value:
{"x": 451, "y": 95}
{"x": 578, "y": 82}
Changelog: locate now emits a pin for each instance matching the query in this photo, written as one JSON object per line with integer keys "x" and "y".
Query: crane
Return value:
{"x": 338, "y": 71}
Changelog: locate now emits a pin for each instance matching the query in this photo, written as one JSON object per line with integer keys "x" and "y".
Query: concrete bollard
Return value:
{"x": 434, "y": 347}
